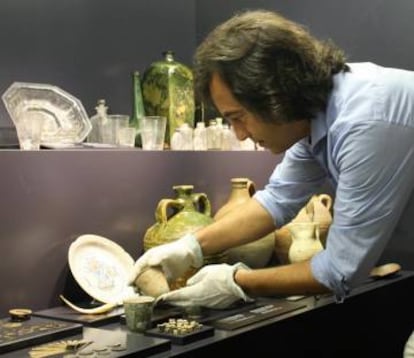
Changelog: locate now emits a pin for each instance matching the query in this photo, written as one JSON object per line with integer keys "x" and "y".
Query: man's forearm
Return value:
{"x": 243, "y": 224}
{"x": 294, "y": 279}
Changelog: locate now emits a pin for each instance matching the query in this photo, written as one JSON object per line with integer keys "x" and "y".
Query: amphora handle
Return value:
{"x": 325, "y": 200}
{"x": 161, "y": 213}
{"x": 202, "y": 203}
{"x": 251, "y": 187}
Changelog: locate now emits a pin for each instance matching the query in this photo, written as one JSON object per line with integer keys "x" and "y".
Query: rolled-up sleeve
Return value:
{"x": 374, "y": 186}
{"x": 291, "y": 184}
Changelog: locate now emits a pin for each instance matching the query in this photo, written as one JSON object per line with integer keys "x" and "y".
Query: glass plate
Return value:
{"x": 101, "y": 267}
{"x": 66, "y": 120}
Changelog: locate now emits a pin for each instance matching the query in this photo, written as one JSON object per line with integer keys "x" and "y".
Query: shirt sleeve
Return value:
{"x": 374, "y": 160}
{"x": 291, "y": 184}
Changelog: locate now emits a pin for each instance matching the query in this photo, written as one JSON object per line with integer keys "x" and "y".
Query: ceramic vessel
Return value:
{"x": 305, "y": 241}
{"x": 318, "y": 209}
{"x": 256, "y": 254}
{"x": 186, "y": 213}
{"x": 152, "y": 282}
{"x": 167, "y": 90}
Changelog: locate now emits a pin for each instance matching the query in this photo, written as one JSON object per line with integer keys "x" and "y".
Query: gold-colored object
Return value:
{"x": 96, "y": 310}
{"x": 60, "y": 347}
{"x": 385, "y": 270}
{"x": 20, "y": 314}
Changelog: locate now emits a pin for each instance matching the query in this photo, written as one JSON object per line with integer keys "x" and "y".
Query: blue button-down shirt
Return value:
{"x": 363, "y": 144}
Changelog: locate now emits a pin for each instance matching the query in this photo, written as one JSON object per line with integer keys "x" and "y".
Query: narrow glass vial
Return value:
{"x": 213, "y": 136}
{"x": 98, "y": 121}
{"x": 200, "y": 137}
{"x": 226, "y": 137}
{"x": 176, "y": 140}
{"x": 138, "y": 110}
{"x": 187, "y": 133}
{"x": 219, "y": 131}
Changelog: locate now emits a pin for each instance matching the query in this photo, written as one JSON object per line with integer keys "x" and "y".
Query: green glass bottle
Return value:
{"x": 167, "y": 90}
{"x": 138, "y": 110}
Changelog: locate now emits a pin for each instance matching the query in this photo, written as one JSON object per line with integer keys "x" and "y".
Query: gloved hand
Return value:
{"x": 175, "y": 258}
{"x": 213, "y": 286}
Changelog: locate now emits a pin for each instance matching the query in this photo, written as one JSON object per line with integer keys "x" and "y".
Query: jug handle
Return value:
{"x": 251, "y": 187}
{"x": 162, "y": 209}
{"x": 326, "y": 200}
{"x": 310, "y": 208}
{"x": 317, "y": 231}
{"x": 202, "y": 202}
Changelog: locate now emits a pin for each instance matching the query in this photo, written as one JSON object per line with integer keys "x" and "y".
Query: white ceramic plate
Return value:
{"x": 101, "y": 267}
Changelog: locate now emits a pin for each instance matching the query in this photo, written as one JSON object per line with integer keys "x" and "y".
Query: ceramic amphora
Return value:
{"x": 186, "y": 213}
{"x": 255, "y": 254}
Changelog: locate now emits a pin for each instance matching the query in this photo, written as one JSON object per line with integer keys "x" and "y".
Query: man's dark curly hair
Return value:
{"x": 273, "y": 66}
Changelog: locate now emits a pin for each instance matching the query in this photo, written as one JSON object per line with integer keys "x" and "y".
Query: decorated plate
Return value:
{"x": 101, "y": 267}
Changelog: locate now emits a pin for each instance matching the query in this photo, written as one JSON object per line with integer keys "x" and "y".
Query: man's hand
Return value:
{"x": 213, "y": 286}
{"x": 175, "y": 258}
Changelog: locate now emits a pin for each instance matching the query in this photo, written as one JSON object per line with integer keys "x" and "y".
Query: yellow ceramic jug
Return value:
{"x": 318, "y": 209}
{"x": 305, "y": 241}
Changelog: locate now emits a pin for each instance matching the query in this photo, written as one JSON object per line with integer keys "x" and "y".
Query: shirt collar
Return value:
{"x": 319, "y": 129}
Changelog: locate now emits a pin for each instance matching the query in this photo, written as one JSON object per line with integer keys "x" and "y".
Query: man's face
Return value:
{"x": 275, "y": 137}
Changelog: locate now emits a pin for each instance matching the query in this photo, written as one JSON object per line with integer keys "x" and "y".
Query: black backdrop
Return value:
{"x": 368, "y": 30}
{"x": 90, "y": 47}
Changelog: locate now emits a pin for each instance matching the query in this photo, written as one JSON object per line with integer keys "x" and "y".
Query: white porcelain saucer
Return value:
{"x": 101, "y": 267}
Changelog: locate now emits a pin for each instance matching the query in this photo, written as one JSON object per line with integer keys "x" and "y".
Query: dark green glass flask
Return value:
{"x": 138, "y": 110}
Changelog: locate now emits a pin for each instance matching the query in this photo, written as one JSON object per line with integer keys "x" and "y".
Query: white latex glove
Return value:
{"x": 175, "y": 258}
{"x": 409, "y": 347}
{"x": 213, "y": 286}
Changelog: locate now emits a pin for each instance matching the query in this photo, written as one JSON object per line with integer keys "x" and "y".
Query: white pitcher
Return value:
{"x": 305, "y": 241}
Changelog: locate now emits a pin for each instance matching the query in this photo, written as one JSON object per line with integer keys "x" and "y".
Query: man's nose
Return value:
{"x": 240, "y": 131}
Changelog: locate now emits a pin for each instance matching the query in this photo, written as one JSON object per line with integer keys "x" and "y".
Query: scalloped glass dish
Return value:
{"x": 101, "y": 267}
{"x": 65, "y": 119}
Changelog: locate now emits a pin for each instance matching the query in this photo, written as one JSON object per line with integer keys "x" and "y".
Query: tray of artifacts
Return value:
{"x": 97, "y": 342}
{"x": 117, "y": 343}
{"x": 259, "y": 312}
{"x": 65, "y": 313}
{"x": 29, "y": 330}
{"x": 181, "y": 331}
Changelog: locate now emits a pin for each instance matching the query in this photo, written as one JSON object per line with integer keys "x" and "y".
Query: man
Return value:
{"x": 350, "y": 123}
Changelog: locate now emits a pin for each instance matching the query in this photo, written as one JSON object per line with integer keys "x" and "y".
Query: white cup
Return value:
{"x": 153, "y": 132}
